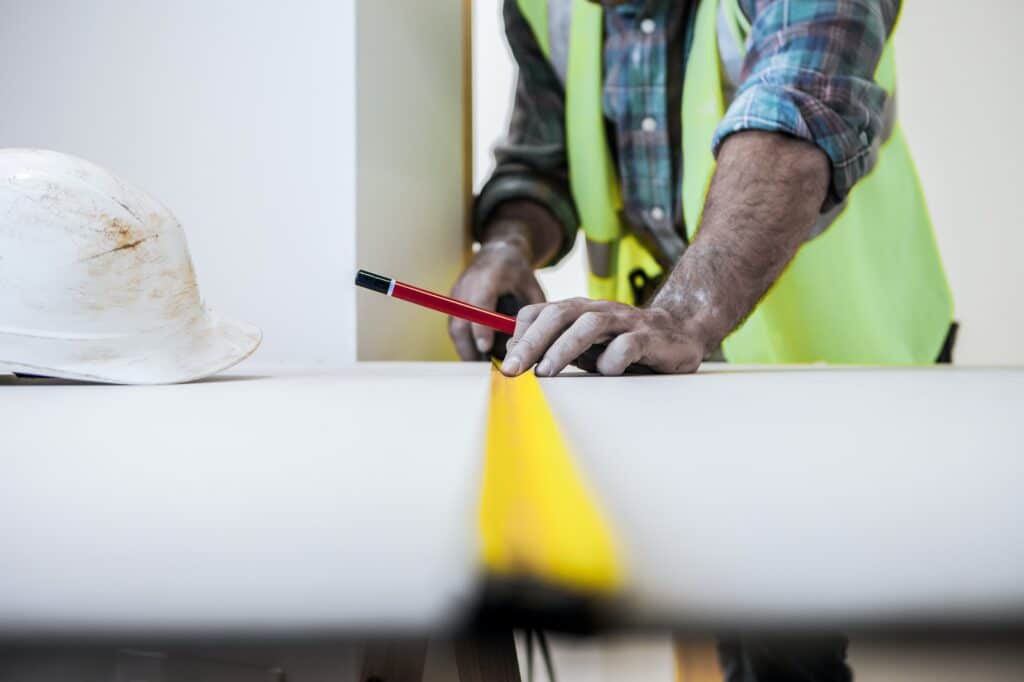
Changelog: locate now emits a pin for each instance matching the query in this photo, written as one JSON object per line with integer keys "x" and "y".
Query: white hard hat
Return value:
{"x": 96, "y": 282}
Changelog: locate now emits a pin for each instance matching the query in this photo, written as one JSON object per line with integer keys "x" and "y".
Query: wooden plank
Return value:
{"x": 487, "y": 658}
{"x": 394, "y": 661}
{"x": 696, "y": 661}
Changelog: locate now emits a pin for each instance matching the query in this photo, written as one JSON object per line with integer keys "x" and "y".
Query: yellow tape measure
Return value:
{"x": 537, "y": 518}
{"x": 539, "y": 521}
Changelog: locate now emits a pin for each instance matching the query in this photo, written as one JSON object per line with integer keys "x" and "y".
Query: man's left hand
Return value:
{"x": 553, "y": 335}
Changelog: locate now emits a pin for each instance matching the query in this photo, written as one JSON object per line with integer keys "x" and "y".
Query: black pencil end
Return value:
{"x": 373, "y": 282}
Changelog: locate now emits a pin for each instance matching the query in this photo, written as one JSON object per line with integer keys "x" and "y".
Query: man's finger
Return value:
{"x": 534, "y": 337}
{"x": 532, "y": 299}
{"x": 483, "y": 338}
{"x": 674, "y": 360}
{"x": 682, "y": 357}
{"x": 589, "y": 328}
{"x": 462, "y": 337}
{"x": 622, "y": 352}
{"x": 524, "y": 318}
{"x": 472, "y": 341}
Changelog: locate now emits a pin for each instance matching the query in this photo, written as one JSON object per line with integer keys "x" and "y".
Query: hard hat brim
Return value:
{"x": 206, "y": 345}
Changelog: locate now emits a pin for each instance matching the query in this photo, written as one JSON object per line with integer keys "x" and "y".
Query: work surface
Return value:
{"x": 342, "y": 501}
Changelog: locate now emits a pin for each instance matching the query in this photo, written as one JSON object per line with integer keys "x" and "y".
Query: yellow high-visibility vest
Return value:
{"x": 870, "y": 289}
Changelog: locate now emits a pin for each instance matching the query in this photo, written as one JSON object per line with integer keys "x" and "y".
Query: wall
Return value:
{"x": 243, "y": 118}
{"x": 413, "y": 166}
{"x": 960, "y": 66}
{"x": 238, "y": 116}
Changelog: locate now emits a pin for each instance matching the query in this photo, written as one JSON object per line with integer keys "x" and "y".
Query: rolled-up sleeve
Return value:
{"x": 809, "y": 72}
{"x": 531, "y": 163}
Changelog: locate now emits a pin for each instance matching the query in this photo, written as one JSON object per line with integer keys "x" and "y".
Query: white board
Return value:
{"x": 809, "y": 496}
{"x": 414, "y": 167}
{"x": 327, "y": 503}
{"x": 300, "y": 503}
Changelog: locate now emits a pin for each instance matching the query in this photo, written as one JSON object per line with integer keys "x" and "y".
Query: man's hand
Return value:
{"x": 499, "y": 267}
{"x": 554, "y": 334}
{"x": 767, "y": 192}
{"x": 521, "y": 236}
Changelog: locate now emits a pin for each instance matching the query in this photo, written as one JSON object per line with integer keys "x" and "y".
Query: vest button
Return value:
{"x": 649, "y": 125}
{"x": 648, "y": 26}
{"x": 657, "y": 214}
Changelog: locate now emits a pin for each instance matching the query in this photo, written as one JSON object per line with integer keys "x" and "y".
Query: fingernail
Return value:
{"x": 511, "y": 366}
{"x": 543, "y": 369}
{"x": 482, "y": 345}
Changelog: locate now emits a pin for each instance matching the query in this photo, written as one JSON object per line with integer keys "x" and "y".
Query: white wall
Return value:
{"x": 960, "y": 75}
{"x": 960, "y": 98}
{"x": 237, "y": 115}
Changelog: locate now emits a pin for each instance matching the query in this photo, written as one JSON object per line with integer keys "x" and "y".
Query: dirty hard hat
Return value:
{"x": 96, "y": 282}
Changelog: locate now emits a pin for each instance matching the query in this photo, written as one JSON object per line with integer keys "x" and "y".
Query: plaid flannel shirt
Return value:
{"x": 808, "y": 72}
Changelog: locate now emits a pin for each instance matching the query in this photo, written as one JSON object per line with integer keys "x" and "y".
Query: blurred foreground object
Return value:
{"x": 365, "y": 501}
{"x": 96, "y": 282}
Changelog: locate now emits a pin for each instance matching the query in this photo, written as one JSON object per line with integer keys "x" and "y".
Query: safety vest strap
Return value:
{"x": 703, "y": 108}
{"x": 595, "y": 186}
{"x": 536, "y": 14}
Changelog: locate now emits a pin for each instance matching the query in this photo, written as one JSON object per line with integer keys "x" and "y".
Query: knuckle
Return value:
{"x": 526, "y": 345}
{"x": 483, "y": 298}
{"x": 592, "y": 321}
{"x": 560, "y": 314}
{"x": 529, "y": 312}
{"x": 632, "y": 343}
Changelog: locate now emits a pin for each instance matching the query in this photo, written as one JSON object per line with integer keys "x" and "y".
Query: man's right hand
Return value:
{"x": 501, "y": 266}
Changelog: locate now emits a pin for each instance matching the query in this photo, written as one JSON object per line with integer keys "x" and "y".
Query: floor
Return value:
{"x": 610, "y": 659}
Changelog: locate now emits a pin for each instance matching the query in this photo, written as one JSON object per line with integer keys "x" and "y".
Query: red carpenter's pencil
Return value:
{"x": 428, "y": 299}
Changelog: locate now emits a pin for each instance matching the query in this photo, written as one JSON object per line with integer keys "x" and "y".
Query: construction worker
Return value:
{"x": 744, "y": 189}
{"x": 740, "y": 177}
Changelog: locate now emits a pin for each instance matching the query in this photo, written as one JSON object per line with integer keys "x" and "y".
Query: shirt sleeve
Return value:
{"x": 531, "y": 162}
{"x": 809, "y": 72}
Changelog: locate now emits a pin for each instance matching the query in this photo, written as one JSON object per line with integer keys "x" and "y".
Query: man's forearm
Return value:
{"x": 527, "y": 226}
{"x": 766, "y": 195}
